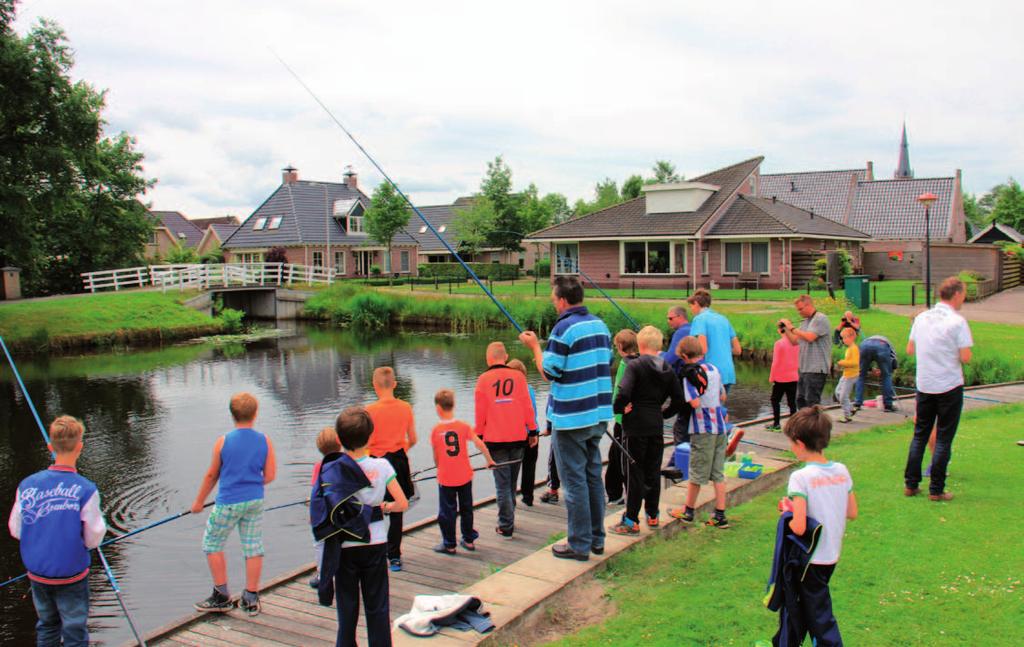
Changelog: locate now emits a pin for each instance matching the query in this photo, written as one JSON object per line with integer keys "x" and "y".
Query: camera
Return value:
{"x": 782, "y": 326}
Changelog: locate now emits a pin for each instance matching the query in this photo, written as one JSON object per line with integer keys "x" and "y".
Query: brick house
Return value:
{"x": 713, "y": 230}
{"x": 170, "y": 229}
{"x": 318, "y": 224}
{"x": 214, "y": 236}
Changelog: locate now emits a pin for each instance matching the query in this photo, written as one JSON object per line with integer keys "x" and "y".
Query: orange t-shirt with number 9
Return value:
{"x": 449, "y": 440}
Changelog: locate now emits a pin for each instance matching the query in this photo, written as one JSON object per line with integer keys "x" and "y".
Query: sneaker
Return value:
{"x": 549, "y": 497}
{"x": 846, "y": 419}
{"x": 682, "y": 514}
{"x": 652, "y": 522}
{"x": 911, "y": 491}
{"x": 890, "y": 409}
{"x": 772, "y": 427}
{"x": 625, "y": 527}
{"x": 945, "y": 496}
{"x": 250, "y": 603}
{"x": 528, "y": 502}
{"x": 617, "y": 501}
{"x": 314, "y": 582}
{"x": 444, "y": 550}
{"x": 562, "y": 551}
{"x": 506, "y": 534}
{"x": 468, "y": 545}
{"x": 216, "y": 603}
{"x": 395, "y": 564}
{"x": 717, "y": 522}
{"x": 597, "y": 550}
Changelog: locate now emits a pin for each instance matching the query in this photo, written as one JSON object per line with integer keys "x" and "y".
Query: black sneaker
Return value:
{"x": 549, "y": 497}
{"x": 717, "y": 522}
{"x": 314, "y": 582}
{"x": 216, "y": 603}
{"x": 506, "y": 533}
{"x": 250, "y": 603}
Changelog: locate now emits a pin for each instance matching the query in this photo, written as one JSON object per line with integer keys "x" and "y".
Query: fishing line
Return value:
{"x": 597, "y": 287}
{"x": 475, "y": 469}
{"x": 99, "y": 550}
{"x": 388, "y": 179}
{"x": 909, "y": 390}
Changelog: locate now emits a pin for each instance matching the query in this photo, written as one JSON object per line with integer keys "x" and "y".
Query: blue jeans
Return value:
{"x": 875, "y": 350}
{"x": 505, "y": 479}
{"x": 63, "y": 611}
{"x": 578, "y": 455}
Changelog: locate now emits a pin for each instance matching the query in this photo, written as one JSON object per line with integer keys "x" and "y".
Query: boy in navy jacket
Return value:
{"x": 57, "y": 517}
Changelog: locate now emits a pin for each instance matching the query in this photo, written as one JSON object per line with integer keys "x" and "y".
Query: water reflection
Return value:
{"x": 152, "y": 417}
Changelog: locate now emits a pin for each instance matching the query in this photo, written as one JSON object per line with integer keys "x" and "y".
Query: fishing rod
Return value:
{"x": 434, "y": 467}
{"x": 910, "y": 390}
{"x": 475, "y": 469}
{"x": 388, "y": 179}
{"x": 99, "y": 550}
{"x": 597, "y": 287}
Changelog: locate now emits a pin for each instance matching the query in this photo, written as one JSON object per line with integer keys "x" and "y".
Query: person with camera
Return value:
{"x": 815, "y": 350}
{"x": 849, "y": 320}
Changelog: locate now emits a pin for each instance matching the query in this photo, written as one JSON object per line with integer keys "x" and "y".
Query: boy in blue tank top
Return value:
{"x": 243, "y": 462}
{"x": 56, "y": 515}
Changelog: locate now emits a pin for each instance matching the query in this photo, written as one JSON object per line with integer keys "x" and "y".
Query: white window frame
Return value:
{"x": 339, "y": 255}
{"x": 403, "y": 261}
{"x": 321, "y": 255}
{"x": 355, "y": 226}
{"x": 247, "y": 258}
{"x": 671, "y": 257}
{"x": 768, "y": 258}
{"x": 260, "y": 224}
{"x": 725, "y": 256}
{"x": 686, "y": 257}
{"x": 275, "y": 222}
{"x": 570, "y": 267}
{"x": 705, "y": 263}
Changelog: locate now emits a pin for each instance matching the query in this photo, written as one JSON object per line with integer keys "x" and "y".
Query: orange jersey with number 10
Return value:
{"x": 449, "y": 440}
{"x": 503, "y": 408}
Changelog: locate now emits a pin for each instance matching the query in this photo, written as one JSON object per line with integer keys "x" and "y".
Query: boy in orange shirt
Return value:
{"x": 394, "y": 433}
{"x": 454, "y": 474}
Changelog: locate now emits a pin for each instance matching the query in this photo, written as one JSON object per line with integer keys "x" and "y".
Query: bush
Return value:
{"x": 492, "y": 271}
{"x": 543, "y": 268}
{"x": 372, "y": 311}
{"x": 375, "y": 270}
{"x": 845, "y": 266}
{"x": 180, "y": 255}
{"x": 231, "y": 320}
{"x": 213, "y": 257}
{"x": 276, "y": 255}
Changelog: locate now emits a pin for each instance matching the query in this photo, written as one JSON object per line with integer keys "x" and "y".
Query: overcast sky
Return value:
{"x": 567, "y": 92}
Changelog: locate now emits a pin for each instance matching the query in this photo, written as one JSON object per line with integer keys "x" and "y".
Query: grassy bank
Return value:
{"x": 100, "y": 320}
{"x": 998, "y": 351}
{"x": 912, "y": 572}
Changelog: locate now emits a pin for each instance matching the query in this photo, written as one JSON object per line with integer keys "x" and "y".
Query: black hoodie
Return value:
{"x": 647, "y": 383}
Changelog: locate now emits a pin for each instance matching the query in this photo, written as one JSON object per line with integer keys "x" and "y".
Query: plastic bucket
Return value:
{"x": 681, "y": 459}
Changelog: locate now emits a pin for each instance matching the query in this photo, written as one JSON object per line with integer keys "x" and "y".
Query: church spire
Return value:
{"x": 903, "y": 170}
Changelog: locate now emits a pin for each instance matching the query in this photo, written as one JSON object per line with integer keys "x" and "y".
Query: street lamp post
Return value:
{"x": 927, "y": 199}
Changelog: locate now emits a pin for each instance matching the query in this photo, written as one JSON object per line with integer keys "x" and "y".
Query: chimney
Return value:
{"x": 792, "y": 186}
{"x": 351, "y": 178}
{"x": 773, "y": 199}
{"x": 812, "y": 214}
{"x": 289, "y": 175}
{"x": 871, "y": 171}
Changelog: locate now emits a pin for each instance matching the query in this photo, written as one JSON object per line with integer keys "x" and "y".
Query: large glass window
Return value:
{"x": 339, "y": 262}
{"x": 681, "y": 259}
{"x": 567, "y": 258}
{"x": 733, "y": 258}
{"x": 318, "y": 259}
{"x": 647, "y": 257}
{"x": 705, "y": 263}
{"x": 404, "y": 262}
{"x": 355, "y": 225}
{"x": 634, "y": 257}
{"x": 759, "y": 257}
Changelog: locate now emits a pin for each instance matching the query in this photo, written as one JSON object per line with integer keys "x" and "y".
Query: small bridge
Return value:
{"x": 207, "y": 276}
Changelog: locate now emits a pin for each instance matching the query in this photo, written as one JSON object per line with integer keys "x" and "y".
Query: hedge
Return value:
{"x": 493, "y": 271}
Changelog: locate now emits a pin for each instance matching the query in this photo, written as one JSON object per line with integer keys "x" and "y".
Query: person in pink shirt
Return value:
{"x": 783, "y": 376}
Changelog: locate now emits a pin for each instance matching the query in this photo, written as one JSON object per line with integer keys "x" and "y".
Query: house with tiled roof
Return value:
{"x": 171, "y": 229}
{"x": 320, "y": 224}
{"x": 214, "y": 236}
{"x": 712, "y": 230}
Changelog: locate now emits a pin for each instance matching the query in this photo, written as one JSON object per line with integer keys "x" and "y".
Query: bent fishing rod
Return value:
{"x": 99, "y": 550}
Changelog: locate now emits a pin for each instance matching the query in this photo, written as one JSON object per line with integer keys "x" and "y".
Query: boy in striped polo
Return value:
{"x": 57, "y": 517}
{"x": 243, "y": 462}
{"x": 707, "y": 437}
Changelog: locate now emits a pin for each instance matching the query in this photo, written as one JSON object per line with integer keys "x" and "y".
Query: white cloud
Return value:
{"x": 569, "y": 92}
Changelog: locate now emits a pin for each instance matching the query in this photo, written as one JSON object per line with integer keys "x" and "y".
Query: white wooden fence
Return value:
{"x": 203, "y": 276}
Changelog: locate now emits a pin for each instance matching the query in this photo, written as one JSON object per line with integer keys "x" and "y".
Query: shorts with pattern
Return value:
{"x": 707, "y": 458}
{"x": 248, "y": 516}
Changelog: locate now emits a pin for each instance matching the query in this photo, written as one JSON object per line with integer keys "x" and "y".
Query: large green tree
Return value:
{"x": 632, "y": 187}
{"x": 472, "y": 226}
{"x": 388, "y": 214}
{"x": 68, "y": 195}
{"x": 1009, "y": 205}
{"x": 496, "y": 188}
{"x": 664, "y": 173}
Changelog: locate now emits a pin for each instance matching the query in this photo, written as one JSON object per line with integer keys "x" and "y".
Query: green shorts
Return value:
{"x": 707, "y": 458}
{"x": 248, "y": 516}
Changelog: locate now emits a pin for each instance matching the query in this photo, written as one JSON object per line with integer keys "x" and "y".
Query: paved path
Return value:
{"x": 513, "y": 577}
{"x": 1005, "y": 307}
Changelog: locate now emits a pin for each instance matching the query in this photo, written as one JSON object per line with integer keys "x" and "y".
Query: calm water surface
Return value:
{"x": 151, "y": 419}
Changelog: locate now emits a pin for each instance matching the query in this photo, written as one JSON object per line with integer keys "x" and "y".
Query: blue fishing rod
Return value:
{"x": 388, "y": 179}
{"x": 46, "y": 437}
{"x": 597, "y": 287}
{"x": 966, "y": 396}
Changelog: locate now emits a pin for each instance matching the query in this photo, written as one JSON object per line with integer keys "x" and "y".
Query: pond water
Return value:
{"x": 151, "y": 419}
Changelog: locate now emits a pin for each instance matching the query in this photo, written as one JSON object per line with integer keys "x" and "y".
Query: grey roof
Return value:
{"x": 994, "y": 230}
{"x": 631, "y": 218}
{"x": 889, "y": 210}
{"x": 305, "y": 218}
{"x": 439, "y": 216}
{"x": 750, "y": 216}
{"x": 183, "y": 230}
{"x": 223, "y": 231}
{"x": 826, "y": 193}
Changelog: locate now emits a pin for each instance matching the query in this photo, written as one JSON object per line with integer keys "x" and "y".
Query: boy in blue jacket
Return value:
{"x": 57, "y": 517}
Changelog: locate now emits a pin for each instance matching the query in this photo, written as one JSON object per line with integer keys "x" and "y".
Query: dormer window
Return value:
{"x": 275, "y": 222}
{"x": 260, "y": 224}
{"x": 678, "y": 197}
{"x": 355, "y": 225}
{"x": 343, "y": 207}
{"x": 423, "y": 229}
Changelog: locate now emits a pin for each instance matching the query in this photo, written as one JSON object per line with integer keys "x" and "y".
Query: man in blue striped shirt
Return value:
{"x": 577, "y": 362}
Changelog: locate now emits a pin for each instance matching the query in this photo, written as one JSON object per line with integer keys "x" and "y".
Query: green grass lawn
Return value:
{"x": 99, "y": 314}
{"x": 912, "y": 572}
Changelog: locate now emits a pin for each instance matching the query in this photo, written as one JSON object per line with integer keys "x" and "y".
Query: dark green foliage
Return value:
{"x": 493, "y": 271}
{"x": 388, "y": 215}
{"x": 231, "y": 320}
{"x": 68, "y": 195}
{"x": 509, "y": 224}
{"x": 276, "y": 255}
{"x": 180, "y": 255}
{"x": 631, "y": 187}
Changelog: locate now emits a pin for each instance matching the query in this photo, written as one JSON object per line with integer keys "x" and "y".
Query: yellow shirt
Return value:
{"x": 851, "y": 361}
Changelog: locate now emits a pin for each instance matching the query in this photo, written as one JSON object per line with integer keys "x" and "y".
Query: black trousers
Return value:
{"x": 553, "y": 482}
{"x": 614, "y": 476}
{"x": 643, "y": 477}
{"x": 778, "y": 390}
{"x": 816, "y": 618}
{"x": 944, "y": 410}
{"x": 363, "y": 569}
{"x": 400, "y": 462}
{"x": 808, "y": 389}
{"x": 452, "y": 502}
{"x": 528, "y": 476}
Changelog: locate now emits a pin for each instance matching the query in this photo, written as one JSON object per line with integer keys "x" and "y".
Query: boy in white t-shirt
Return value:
{"x": 822, "y": 490}
{"x": 364, "y": 567}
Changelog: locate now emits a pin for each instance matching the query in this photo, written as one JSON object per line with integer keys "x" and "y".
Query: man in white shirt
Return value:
{"x": 941, "y": 340}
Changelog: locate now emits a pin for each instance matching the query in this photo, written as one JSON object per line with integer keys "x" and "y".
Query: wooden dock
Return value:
{"x": 292, "y": 616}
